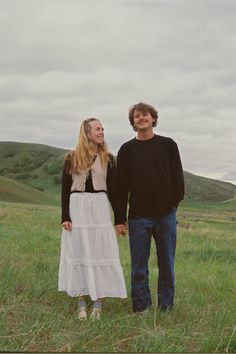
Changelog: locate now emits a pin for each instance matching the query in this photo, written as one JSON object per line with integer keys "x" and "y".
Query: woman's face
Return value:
{"x": 96, "y": 134}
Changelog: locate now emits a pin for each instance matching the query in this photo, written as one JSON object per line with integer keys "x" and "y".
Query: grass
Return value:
{"x": 35, "y": 317}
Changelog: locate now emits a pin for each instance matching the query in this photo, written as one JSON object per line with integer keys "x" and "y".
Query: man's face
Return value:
{"x": 143, "y": 121}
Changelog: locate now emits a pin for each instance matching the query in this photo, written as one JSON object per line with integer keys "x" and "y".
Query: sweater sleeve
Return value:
{"x": 177, "y": 175}
{"x": 112, "y": 187}
{"x": 123, "y": 185}
{"x": 65, "y": 195}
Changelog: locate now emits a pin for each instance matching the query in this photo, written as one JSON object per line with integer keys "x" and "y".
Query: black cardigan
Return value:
{"x": 111, "y": 182}
{"x": 150, "y": 173}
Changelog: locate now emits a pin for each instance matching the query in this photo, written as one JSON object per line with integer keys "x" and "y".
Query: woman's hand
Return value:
{"x": 67, "y": 225}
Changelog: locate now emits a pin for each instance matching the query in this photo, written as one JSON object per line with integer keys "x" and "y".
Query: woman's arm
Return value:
{"x": 65, "y": 195}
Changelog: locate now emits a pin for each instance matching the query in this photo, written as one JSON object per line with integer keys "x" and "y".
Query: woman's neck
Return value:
{"x": 95, "y": 149}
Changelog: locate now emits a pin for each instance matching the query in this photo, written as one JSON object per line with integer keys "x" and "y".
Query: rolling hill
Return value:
{"x": 40, "y": 167}
{"x": 35, "y": 164}
{"x": 14, "y": 191}
{"x": 206, "y": 189}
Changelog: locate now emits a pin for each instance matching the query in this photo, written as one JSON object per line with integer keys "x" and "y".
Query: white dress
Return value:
{"x": 89, "y": 262}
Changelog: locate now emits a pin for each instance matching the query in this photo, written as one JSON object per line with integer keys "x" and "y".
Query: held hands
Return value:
{"x": 67, "y": 225}
{"x": 121, "y": 229}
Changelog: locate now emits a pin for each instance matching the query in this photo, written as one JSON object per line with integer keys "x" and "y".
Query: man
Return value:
{"x": 150, "y": 173}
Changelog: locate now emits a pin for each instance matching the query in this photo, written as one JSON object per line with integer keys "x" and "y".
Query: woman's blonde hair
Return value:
{"x": 82, "y": 157}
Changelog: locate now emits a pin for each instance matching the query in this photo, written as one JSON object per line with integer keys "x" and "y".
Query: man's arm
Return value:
{"x": 123, "y": 185}
{"x": 112, "y": 187}
{"x": 176, "y": 175}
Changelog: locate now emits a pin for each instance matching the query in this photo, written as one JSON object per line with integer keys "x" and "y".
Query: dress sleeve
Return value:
{"x": 65, "y": 194}
{"x": 177, "y": 175}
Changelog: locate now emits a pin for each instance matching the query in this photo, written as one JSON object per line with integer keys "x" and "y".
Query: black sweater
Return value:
{"x": 111, "y": 182}
{"x": 150, "y": 172}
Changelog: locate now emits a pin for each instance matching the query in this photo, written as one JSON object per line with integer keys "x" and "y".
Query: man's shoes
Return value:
{"x": 95, "y": 314}
{"x": 142, "y": 312}
{"x": 165, "y": 308}
{"x": 82, "y": 313}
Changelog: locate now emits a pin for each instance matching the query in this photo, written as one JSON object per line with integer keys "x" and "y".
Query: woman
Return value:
{"x": 89, "y": 262}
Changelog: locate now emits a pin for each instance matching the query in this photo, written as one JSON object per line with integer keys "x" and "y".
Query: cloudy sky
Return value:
{"x": 66, "y": 60}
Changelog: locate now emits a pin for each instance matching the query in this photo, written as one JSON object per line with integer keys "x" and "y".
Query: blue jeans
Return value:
{"x": 163, "y": 231}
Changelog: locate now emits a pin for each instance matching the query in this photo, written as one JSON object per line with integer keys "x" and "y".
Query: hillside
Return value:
{"x": 207, "y": 189}
{"x": 35, "y": 164}
{"x": 14, "y": 191}
{"x": 40, "y": 166}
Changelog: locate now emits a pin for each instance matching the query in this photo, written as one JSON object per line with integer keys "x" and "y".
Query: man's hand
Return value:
{"x": 121, "y": 229}
{"x": 67, "y": 225}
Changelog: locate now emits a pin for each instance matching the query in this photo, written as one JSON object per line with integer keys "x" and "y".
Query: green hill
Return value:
{"x": 40, "y": 166}
{"x": 35, "y": 164}
{"x": 14, "y": 191}
{"x": 206, "y": 189}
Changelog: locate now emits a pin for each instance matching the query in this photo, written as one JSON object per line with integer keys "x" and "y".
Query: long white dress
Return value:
{"x": 89, "y": 261}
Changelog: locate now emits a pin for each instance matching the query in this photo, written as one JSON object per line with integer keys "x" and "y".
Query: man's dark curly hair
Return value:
{"x": 142, "y": 107}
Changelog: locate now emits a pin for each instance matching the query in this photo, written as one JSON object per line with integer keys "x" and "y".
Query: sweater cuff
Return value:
{"x": 65, "y": 218}
{"x": 120, "y": 221}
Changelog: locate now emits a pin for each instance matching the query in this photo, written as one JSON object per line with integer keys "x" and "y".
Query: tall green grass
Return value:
{"x": 34, "y": 316}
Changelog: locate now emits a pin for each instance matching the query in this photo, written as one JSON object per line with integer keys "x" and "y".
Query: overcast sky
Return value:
{"x": 63, "y": 61}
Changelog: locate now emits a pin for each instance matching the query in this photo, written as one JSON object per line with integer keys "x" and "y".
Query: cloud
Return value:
{"x": 62, "y": 62}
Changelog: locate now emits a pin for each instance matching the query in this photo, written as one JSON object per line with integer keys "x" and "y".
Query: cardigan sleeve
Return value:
{"x": 65, "y": 194}
{"x": 112, "y": 187}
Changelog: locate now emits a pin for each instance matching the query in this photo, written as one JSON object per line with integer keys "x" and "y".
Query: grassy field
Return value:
{"x": 36, "y": 317}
